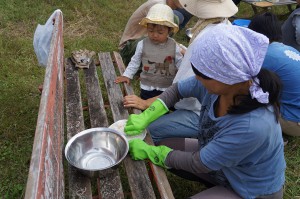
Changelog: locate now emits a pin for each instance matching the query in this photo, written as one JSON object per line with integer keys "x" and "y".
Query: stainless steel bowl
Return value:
{"x": 189, "y": 33}
{"x": 96, "y": 149}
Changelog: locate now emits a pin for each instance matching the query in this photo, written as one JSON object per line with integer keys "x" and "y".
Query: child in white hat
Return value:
{"x": 159, "y": 54}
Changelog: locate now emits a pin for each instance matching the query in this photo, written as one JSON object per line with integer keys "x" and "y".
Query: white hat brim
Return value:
{"x": 207, "y": 9}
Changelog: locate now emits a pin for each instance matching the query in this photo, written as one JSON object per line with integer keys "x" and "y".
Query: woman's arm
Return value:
{"x": 187, "y": 161}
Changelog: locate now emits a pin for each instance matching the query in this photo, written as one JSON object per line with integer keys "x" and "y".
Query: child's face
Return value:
{"x": 157, "y": 33}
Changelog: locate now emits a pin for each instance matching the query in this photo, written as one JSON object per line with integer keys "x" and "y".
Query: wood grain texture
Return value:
{"x": 158, "y": 173}
{"x": 79, "y": 184}
{"x": 137, "y": 174}
{"x": 46, "y": 177}
{"x": 110, "y": 184}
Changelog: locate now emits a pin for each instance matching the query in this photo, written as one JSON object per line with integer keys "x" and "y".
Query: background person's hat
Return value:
{"x": 207, "y": 9}
{"x": 162, "y": 15}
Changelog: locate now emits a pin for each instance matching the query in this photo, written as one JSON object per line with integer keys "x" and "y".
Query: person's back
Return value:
{"x": 284, "y": 60}
{"x": 206, "y": 21}
{"x": 291, "y": 29}
{"x": 185, "y": 71}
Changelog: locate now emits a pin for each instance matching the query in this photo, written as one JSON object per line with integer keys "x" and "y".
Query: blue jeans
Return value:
{"x": 180, "y": 123}
{"x": 183, "y": 16}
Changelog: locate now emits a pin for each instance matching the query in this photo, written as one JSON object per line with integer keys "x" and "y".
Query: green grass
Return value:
{"x": 92, "y": 24}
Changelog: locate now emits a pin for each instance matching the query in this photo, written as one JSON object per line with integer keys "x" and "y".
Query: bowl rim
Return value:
{"x": 86, "y": 131}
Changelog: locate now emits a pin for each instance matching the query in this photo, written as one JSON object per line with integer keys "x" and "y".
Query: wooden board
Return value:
{"x": 137, "y": 173}
{"x": 158, "y": 173}
{"x": 79, "y": 184}
{"x": 110, "y": 183}
{"x": 46, "y": 176}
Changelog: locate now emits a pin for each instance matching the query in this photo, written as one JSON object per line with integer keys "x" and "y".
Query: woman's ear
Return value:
{"x": 249, "y": 83}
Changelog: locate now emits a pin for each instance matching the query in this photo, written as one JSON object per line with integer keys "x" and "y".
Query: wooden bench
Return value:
{"x": 268, "y": 5}
{"x": 46, "y": 175}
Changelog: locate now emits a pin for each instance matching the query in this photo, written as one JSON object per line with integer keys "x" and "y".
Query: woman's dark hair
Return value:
{"x": 268, "y": 25}
{"x": 199, "y": 74}
{"x": 269, "y": 82}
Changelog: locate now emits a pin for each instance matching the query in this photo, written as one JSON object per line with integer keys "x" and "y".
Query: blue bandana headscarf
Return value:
{"x": 232, "y": 54}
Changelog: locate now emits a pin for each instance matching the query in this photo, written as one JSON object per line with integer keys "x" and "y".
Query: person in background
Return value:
{"x": 239, "y": 149}
{"x": 236, "y": 2}
{"x": 284, "y": 60}
{"x": 184, "y": 121}
{"x": 291, "y": 29}
{"x": 133, "y": 32}
{"x": 184, "y": 17}
{"x": 159, "y": 54}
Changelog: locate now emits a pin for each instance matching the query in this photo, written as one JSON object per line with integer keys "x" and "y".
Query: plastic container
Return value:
{"x": 241, "y": 22}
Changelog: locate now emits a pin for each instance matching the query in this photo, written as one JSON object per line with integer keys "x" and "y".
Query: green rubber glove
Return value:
{"x": 139, "y": 150}
{"x": 137, "y": 123}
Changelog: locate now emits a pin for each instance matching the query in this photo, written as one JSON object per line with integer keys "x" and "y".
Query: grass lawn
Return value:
{"x": 94, "y": 25}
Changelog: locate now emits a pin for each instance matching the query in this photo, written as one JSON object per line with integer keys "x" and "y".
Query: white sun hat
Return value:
{"x": 207, "y": 9}
{"x": 160, "y": 14}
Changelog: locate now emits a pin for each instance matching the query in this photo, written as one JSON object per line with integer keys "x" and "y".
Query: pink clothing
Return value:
{"x": 133, "y": 30}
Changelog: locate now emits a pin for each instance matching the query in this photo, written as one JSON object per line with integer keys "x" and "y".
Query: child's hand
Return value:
{"x": 122, "y": 79}
{"x": 182, "y": 51}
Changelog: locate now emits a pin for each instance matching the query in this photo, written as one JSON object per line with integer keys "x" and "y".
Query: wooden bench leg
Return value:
{"x": 290, "y": 8}
{"x": 98, "y": 189}
{"x": 254, "y": 9}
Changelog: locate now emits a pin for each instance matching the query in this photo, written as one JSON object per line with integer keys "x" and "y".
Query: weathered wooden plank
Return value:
{"x": 138, "y": 178}
{"x": 79, "y": 184}
{"x": 110, "y": 185}
{"x": 46, "y": 178}
{"x": 113, "y": 89}
{"x": 160, "y": 177}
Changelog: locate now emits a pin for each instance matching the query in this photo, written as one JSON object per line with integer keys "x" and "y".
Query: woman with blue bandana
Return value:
{"x": 239, "y": 152}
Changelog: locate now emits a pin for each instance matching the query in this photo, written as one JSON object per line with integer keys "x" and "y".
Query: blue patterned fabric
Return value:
{"x": 232, "y": 54}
